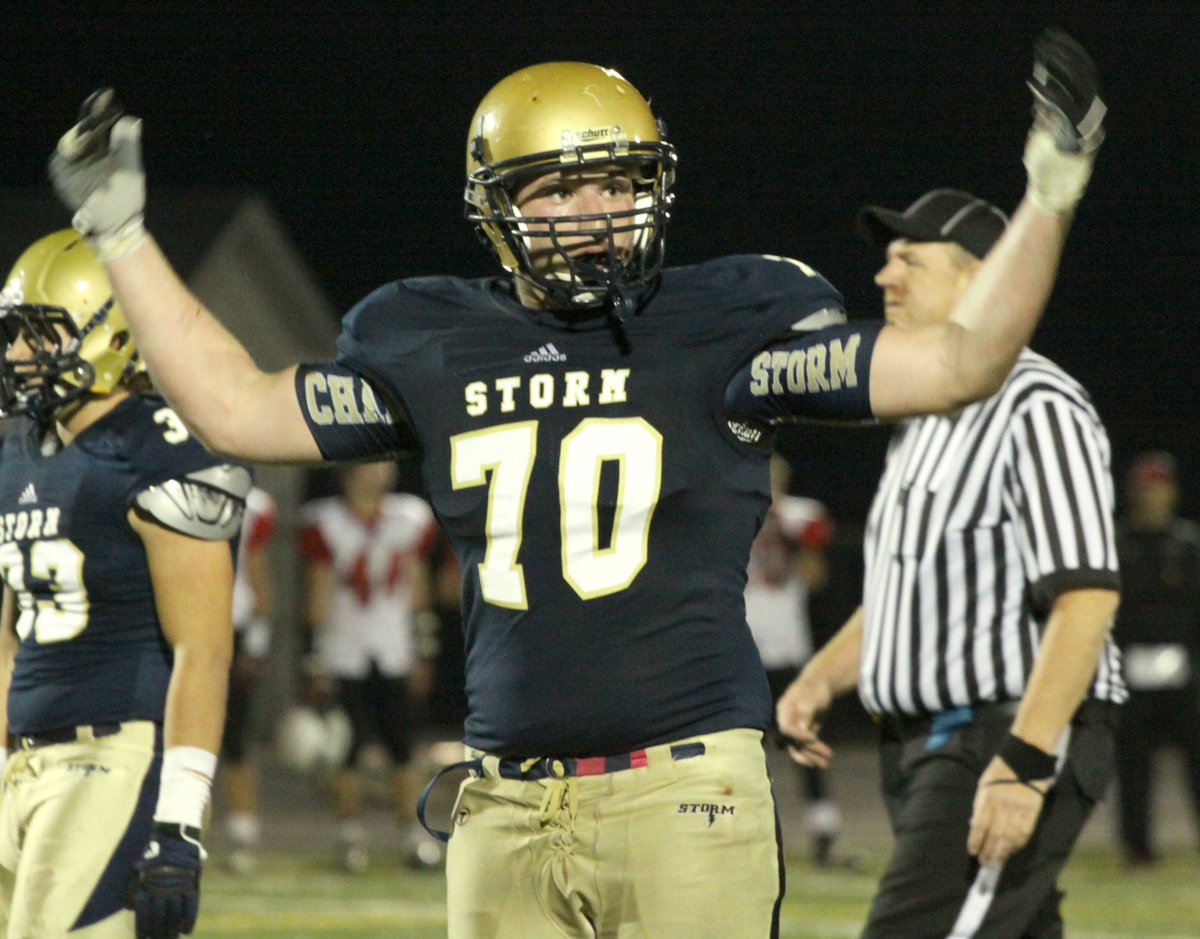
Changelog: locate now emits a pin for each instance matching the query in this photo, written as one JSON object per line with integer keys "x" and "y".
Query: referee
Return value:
{"x": 982, "y": 647}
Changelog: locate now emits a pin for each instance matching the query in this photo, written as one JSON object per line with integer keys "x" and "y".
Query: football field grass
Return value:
{"x": 293, "y": 897}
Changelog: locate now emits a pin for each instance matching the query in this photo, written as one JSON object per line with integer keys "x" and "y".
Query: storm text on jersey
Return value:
{"x": 570, "y": 390}
{"x": 34, "y": 523}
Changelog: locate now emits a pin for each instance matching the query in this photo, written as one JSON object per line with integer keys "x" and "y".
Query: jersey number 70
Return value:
{"x": 502, "y": 458}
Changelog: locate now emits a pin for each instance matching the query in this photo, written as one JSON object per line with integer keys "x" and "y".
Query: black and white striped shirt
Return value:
{"x": 982, "y": 518}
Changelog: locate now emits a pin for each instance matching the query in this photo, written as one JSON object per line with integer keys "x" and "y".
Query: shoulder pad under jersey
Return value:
{"x": 819, "y": 320}
{"x": 206, "y": 504}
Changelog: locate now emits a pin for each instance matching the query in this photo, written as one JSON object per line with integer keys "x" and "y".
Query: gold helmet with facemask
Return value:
{"x": 559, "y": 116}
{"x": 58, "y": 301}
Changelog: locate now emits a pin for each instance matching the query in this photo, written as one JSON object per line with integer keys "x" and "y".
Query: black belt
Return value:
{"x": 49, "y": 738}
{"x": 908, "y": 726}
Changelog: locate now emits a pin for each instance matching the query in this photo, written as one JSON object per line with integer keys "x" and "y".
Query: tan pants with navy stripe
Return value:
{"x": 64, "y": 810}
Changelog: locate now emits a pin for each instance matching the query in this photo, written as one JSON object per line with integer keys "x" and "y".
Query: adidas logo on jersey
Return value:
{"x": 28, "y": 495}
{"x": 746, "y": 433}
{"x": 546, "y": 353}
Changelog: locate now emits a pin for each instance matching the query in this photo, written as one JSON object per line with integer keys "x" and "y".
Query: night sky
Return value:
{"x": 351, "y": 118}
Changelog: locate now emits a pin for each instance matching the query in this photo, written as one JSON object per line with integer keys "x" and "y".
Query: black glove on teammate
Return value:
{"x": 1066, "y": 92}
{"x": 164, "y": 892}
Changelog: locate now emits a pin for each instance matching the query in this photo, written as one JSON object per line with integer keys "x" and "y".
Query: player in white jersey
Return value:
{"x": 367, "y": 582}
{"x": 252, "y": 623}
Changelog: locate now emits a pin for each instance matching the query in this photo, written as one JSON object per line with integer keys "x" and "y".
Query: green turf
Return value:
{"x": 293, "y": 898}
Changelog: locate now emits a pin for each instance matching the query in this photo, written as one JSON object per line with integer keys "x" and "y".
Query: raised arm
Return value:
{"x": 210, "y": 379}
{"x": 942, "y": 367}
{"x": 206, "y": 374}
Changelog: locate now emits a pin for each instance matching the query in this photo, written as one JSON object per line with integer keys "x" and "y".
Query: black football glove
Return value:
{"x": 164, "y": 892}
{"x": 88, "y": 139}
{"x": 1066, "y": 92}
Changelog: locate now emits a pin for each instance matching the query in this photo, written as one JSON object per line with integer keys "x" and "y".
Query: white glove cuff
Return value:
{"x": 1057, "y": 179}
{"x": 185, "y": 786}
{"x": 112, "y": 247}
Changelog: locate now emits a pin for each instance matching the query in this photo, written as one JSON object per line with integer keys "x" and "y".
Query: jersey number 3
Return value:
{"x": 502, "y": 458}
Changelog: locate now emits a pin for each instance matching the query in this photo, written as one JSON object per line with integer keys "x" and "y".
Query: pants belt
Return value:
{"x": 49, "y": 738}
{"x": 908, "y": 726}
{"x": 553, "y": 768}
{"x": 563, "y": 767}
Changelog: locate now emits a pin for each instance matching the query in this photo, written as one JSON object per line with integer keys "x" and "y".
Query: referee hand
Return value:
{"x": 1005, "y": 813}
{"x": 798, "y": 714}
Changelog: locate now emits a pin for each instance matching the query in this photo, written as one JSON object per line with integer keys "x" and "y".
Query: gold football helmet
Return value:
{"x": 59, "y": 302}
{"x": 560, "y": 115}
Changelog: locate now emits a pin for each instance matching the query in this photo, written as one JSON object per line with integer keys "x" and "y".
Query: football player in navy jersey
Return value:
{"x": 115, "y": 639}
{"x": 594, "y": 430}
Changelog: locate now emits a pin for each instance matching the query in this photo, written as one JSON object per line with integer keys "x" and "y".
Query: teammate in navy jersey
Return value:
{"x": 594, "y": 431}
{"x": 115, "y": 639}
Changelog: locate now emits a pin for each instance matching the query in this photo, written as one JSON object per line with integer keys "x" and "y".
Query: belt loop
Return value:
{"x": 474, "y": 766}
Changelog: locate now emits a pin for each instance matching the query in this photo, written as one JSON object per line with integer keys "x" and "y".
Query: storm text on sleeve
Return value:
{"x": 822, "y": 375}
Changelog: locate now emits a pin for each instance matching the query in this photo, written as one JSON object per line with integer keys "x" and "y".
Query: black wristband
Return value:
{"x": 1026, "y": 760}
{"x": 1017, "y": 782}
{"x": 178, "y": 830}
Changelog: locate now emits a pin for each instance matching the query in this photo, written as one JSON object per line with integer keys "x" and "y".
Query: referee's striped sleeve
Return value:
{"x": 1063, "y": 468}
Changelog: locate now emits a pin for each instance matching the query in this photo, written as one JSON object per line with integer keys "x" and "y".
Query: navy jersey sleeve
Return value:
{"x": 174, "y": 480}
{"x": 822, "y": 375}
{"x": 156, "y": 445}
{"x": 348, "y": 417}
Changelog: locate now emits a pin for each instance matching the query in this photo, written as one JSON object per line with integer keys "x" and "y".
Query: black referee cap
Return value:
{"x": 940, "y": 215}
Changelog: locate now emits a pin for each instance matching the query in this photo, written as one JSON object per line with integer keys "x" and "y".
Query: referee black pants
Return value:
{"x": 929, "y": 776}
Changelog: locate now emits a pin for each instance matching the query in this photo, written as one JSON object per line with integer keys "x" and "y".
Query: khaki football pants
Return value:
{"x": 64, "y": 811}
{"x": 675, "y": 849}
